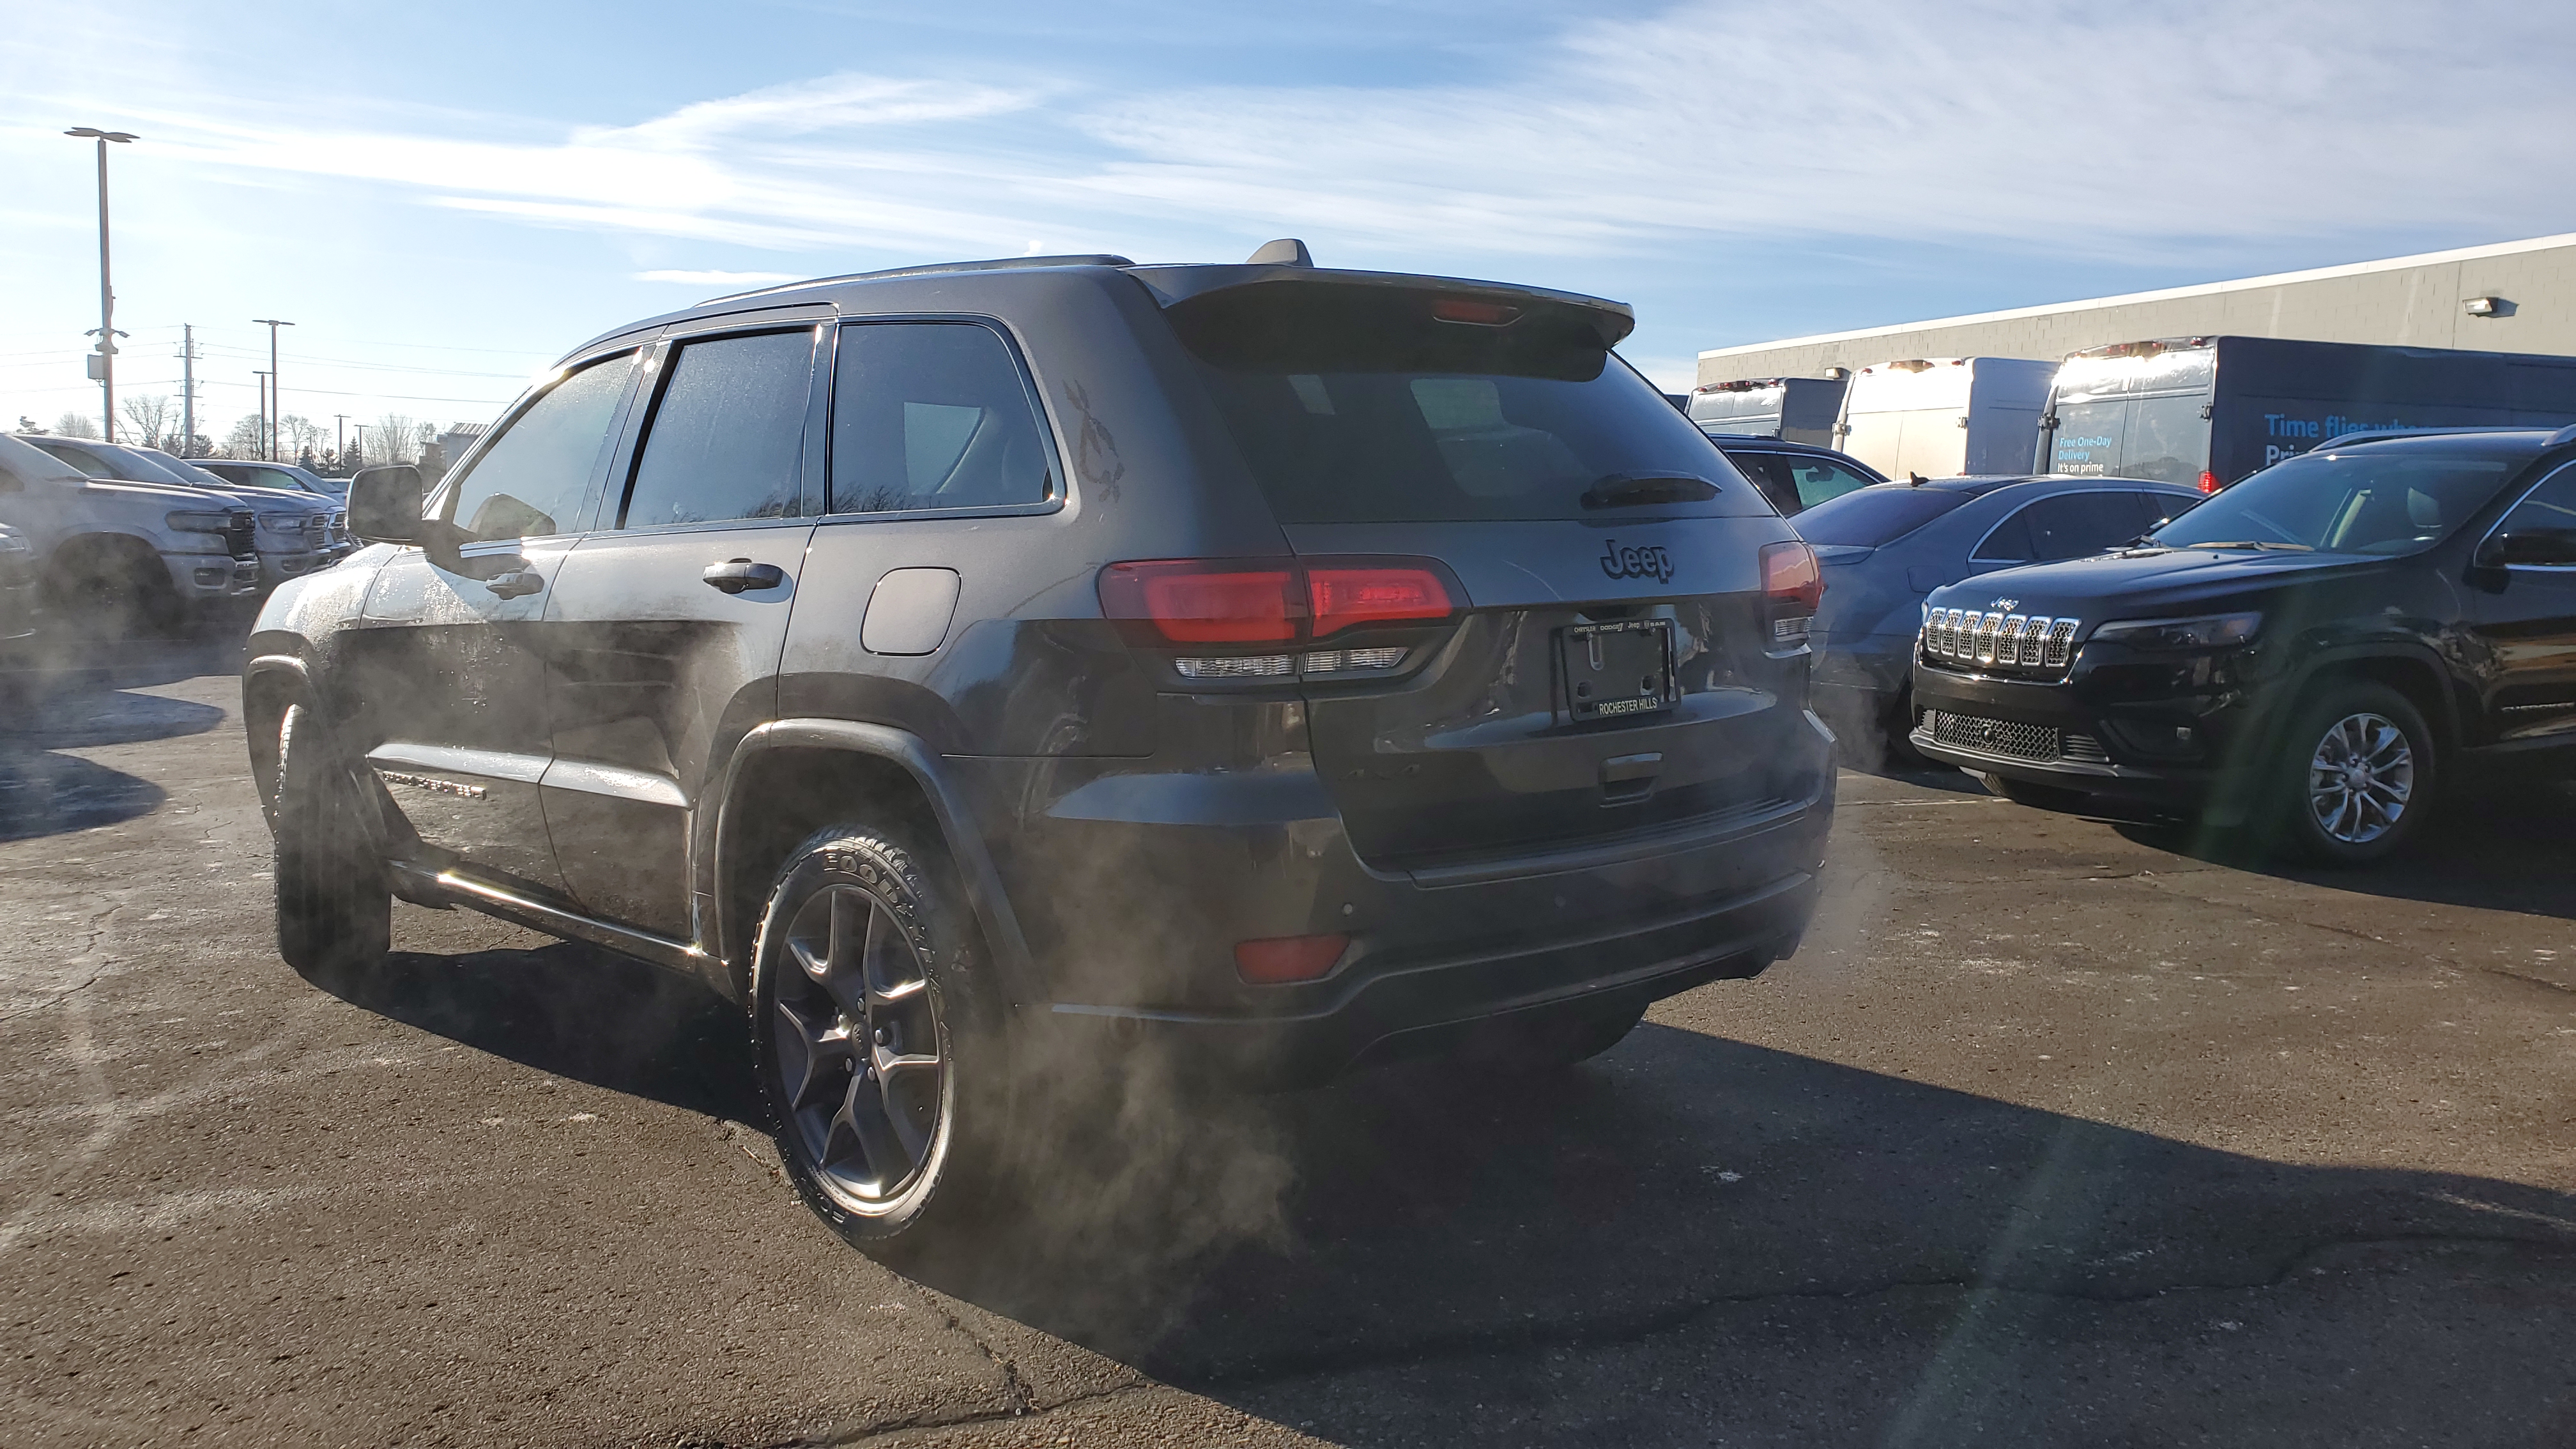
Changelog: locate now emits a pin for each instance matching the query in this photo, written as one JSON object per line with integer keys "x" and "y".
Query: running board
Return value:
{"x": 492, "y": 900}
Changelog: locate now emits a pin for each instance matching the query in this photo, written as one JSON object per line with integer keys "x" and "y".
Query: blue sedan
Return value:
{"x": 1883, "y": 548}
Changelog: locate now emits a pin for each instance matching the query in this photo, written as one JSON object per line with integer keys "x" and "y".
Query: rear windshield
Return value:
{"x": 1868, "y": 517}
{"x": 1364, "y": 409}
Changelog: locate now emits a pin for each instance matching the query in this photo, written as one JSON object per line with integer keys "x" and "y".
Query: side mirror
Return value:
{"x": 2544, "y": 547}
{"x": 384, "y": 503}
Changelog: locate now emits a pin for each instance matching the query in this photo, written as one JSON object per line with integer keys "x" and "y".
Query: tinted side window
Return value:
{"x": 2073, "y": 525}
{"x": 532, "y": 479}
{"x": 933, "y": 415}
{"x": 1770, "y": 473}
{"x": 79, "y": 458}
{"x": 727, "y": 440}
{"x": 2549, "y": 509}
{"x": 2009, "y": 542}
{"x": 1818, "y": 480}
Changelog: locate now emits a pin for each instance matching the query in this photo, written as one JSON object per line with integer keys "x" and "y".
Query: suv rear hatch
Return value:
{"x": 1538, "y": 608}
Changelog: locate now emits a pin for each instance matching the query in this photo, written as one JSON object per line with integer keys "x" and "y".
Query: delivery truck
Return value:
{"x": 2207, "y": 411}
{"x": 1941, "y": 417}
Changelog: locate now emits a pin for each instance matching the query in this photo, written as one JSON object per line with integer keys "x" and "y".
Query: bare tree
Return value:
{"x": 298, "y": 435}
{"x": 397, "y": 439}
{"x": 247, "y": 438}
{"x": 151, "y": 416}
{"x": 75, "y": 425}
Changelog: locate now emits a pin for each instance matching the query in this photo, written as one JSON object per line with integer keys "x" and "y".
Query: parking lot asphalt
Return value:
{"x": 2058, "y": 1130}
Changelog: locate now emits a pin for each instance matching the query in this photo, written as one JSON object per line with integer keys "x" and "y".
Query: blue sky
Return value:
{"x": 444, "y": 205}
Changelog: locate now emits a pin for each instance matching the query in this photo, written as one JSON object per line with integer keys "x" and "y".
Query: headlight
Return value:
{"x": 2209, "y": 631}
{"x": 283, "y": 525}
{"x": 191, "y": 521}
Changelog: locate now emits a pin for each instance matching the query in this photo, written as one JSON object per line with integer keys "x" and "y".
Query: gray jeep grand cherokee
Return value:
{"x": 1301, "y": 667}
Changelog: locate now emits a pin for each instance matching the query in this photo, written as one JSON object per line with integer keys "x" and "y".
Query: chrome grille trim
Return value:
{"x": 2008, "y": 641}
{"x": 2061, "y": 642}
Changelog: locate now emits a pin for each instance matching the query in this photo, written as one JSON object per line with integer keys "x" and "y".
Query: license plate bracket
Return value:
{"x": 1616, "y": 670}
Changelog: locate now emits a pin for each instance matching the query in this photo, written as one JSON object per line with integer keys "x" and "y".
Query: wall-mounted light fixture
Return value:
{"x": 2487, "y": 307}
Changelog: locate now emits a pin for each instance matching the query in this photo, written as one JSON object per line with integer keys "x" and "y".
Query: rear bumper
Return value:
{"x": 1420, "y": 1007}
{"x": 1133, "y": 890}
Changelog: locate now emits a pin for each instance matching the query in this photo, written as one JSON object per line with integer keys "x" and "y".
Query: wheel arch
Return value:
{"x": 270, "y": 683}
{"x": 2415, "y": 674}
{"x": 824, "y": 770}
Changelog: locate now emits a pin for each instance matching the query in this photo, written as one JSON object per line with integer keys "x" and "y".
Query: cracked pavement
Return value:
{"x": 2058, "y": 1131}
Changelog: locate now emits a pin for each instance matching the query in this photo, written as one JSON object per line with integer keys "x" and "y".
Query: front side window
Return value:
{"x": 727, "y": 440}
{"x": 2548, "y": 511}
{"x": 933, "y": 415}
{"x": 531, "y": 481}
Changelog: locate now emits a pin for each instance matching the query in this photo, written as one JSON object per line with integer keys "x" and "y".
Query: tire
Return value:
{"x": 866, "y": 946}
{"x": 2355, "y": 776}
{"x": 334, "y": 911}
{"x": 112, "y": 592}
{"x": 2037, "y": 797}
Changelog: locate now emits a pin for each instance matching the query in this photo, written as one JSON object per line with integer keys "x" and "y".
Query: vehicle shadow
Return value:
{"x": 573, "y": 1011}
{"x": 1448, "y": 1248}
{"x": 43, "y": 793}
{"x": 2494, "y": 847}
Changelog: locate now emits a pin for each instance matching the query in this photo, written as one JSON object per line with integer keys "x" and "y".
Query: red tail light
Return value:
{"x": 1791, "y": 579}
{"x": 1282, "y": 959}
{"x": 1273, "y": 601}
{"x": 2208, "y": 481}
{"x": 1342, "y": 597}
{"x": 1216, "y": 601}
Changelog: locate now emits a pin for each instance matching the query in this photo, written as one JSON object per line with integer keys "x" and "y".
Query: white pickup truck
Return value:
{"x": 115, "y": 556}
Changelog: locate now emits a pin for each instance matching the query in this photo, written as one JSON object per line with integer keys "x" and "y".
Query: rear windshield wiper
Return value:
{"x": 2262, "y": 543}
{"x": 1629, "y": 490}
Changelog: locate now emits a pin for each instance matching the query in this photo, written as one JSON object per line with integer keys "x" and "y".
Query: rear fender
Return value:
{"x": 729, "y": 917}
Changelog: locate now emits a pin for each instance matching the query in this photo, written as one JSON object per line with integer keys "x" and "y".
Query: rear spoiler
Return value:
{"x": 1609, "y": 321}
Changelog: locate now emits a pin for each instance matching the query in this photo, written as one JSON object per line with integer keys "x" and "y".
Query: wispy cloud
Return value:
{"x": 2057, "y": 126}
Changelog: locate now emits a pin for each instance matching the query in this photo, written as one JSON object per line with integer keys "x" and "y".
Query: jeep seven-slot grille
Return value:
{"x": 1997, "y": 640}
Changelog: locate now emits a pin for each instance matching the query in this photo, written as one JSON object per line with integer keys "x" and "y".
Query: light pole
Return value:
{"x": 340, "y": 437}
{"x": 106, "y": 290}
{"x": 276, "y": 403}
{"x": 362, "y": 443}
{"x": 264, "y": 449}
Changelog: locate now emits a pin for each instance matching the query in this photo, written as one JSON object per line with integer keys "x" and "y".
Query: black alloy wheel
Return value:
{"x": 868, "y": 1008}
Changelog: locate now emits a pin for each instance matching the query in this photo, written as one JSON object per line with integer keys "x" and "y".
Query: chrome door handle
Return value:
{"x": 740, "y": 575}
{"x": 511, "y": 586}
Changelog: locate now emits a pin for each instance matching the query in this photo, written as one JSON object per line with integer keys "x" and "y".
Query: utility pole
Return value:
{"x": 362, "y": 442}
{"x": 106, "y": 289}
{"x": 187, "y": 389}
{"x": 276, "y": 403}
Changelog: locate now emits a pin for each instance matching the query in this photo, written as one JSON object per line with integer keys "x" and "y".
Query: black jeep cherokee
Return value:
{"x": 1298, "y": 666}
{"x": 2314, "y": 651}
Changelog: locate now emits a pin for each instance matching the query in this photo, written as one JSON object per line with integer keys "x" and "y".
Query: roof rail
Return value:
{"x": 997, "y": 264}
{"x": 2380, "y": 435}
